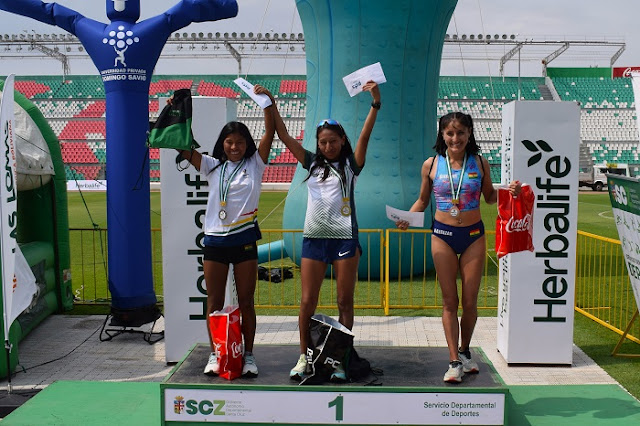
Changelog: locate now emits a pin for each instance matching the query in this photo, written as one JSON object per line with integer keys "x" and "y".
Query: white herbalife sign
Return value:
{"x": 540, "y": 146}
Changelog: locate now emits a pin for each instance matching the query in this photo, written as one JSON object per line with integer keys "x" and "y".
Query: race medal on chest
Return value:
{"x": 454, "y": 211}
{"x": 345, "y": 210}
{"x": 224, "y": 186}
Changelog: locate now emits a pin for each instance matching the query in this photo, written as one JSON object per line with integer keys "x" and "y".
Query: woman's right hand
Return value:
{"x": 402, "y": 224}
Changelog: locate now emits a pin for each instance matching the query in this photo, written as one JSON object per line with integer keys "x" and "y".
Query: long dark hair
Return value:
{"x": 345, "y": 152}
{"x": 229, "y": 128}
{"x": 472, "y": 147}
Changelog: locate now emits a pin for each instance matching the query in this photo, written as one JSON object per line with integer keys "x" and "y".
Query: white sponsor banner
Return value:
{"x": 346, "y": 408}
{"x": 540, "y": 146}
{"x": 184, "y": 199}
{"x": 624, "y": 194}
{"x": 86, "y": 185}
{"x": 8, "y": 202}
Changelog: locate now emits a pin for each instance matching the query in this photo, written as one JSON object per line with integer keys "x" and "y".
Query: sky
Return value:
{"x": 612, "y": 20}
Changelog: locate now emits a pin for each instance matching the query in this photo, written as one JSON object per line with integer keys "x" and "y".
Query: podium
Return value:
{"x": 410, "y": 392}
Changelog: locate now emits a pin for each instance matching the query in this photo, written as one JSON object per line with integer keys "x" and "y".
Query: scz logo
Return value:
{"x": 620, "y": 195}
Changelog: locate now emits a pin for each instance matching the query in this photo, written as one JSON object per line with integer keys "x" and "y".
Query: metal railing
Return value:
{"x": 603, "y": 288}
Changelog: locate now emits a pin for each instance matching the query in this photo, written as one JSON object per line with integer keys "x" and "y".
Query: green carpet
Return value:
{"x": 91, "y": 404}
{"x": 572, "y": 405}
{"x": 105, "y": 403}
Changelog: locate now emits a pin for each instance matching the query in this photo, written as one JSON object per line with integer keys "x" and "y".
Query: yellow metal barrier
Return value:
{"x": 369, "y": 291}
{"x": 603, "y": 288}
{"x": 421, "y": 291}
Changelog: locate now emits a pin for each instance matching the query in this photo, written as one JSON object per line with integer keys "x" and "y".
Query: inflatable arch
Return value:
{"x": 43, "y": 226}
{"x": 406, "y": 37}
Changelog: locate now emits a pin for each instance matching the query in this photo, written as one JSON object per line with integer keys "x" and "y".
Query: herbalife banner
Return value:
{"x": 625, "y": 200}
{"x": 540, "y": 146}
{"x": 184, "y": 199}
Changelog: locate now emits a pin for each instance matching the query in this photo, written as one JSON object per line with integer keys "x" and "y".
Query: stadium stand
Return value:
{"x": 75, "y": 108}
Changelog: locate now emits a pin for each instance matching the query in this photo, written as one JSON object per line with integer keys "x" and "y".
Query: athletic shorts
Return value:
{"x": 329, "y": 249}
{"x": 233, "y": 255}
{"x": 459, "y": 238}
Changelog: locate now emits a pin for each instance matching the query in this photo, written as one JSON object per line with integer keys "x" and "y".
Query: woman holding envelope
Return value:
{"x": 330, "y": 226}
{"x": 234, "y": 176}
{"x": 457, "y": 176}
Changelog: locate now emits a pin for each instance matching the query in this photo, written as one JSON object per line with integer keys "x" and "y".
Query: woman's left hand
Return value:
{"x": 261, "y": 90}
{"x": 514, "y": 187}
{"x": 372, "y": 86}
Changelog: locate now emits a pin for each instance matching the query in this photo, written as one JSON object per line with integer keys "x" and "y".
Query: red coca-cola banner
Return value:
{"x": 618, "y": 72}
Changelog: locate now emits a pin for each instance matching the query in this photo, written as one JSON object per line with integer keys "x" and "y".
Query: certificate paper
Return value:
{"x": 357, "y": 79}
{"x": 415, "y": 219}
{"x": 262, "y": 100}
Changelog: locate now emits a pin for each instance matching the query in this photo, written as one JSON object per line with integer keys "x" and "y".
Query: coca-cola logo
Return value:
{"x": 519, "y": 225}
{"x": 627, "y": 72}
{"x": 236, "y": 350}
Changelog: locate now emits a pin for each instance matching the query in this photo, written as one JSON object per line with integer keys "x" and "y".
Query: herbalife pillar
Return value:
{"x": 540, "y": 146}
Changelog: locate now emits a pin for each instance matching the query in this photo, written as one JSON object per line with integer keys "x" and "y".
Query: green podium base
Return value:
{"x": 410, "y": 392}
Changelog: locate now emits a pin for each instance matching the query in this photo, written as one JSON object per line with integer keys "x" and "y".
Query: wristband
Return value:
{"x": 376, "y": 105}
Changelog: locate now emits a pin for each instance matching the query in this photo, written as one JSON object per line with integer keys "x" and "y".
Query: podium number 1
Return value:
{"x": 339, "y": 406}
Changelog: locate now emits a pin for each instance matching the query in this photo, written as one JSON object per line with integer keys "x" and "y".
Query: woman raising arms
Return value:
{"x": 330, "y": 226}
{"x": 234, "y": 176}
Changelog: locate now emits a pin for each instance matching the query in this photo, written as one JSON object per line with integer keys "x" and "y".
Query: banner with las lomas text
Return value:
{"x": 8, "y": 201}
{"x": 624, "y": 193}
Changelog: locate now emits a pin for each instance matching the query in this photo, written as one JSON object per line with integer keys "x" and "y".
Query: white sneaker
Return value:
{"x": 297, "y": 372}
{"x": 212, "y": 368}
{"x": 249, "y": 369}
{"x": 454, "y": 373}
{"x": 468, "y": 365}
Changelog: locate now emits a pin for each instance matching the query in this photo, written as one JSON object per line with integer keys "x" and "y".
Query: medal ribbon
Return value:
{"x": 343, "y": 185}
{"x": 456, "y": 195}
{"x": 224, "y": 188}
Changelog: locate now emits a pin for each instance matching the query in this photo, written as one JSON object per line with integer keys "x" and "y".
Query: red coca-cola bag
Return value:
{"x": 514, "y": 224}
{"x": 227, "y": 337}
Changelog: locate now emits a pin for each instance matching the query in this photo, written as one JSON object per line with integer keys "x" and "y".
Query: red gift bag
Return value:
{"x": 514, "y": 224}
{"x": 227, "y": 336}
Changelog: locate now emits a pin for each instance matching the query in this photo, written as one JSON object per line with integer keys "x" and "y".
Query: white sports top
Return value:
{"x": 242, "y": 199}
{"x": 328, "y": 214}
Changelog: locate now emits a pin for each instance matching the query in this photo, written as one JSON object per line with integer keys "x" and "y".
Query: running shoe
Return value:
{"x": 468, "y": 365}
{"x": 297, "y": 373}
{"x": 249, "y": 369}
{"x": 454, "y": 373}
{"x": 212, "y": 368}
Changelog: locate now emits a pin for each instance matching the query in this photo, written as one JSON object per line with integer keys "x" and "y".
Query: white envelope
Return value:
{"x": 357, "y": 79}
{"x": 415, "y": 219}
{"x": 262, "y": 100}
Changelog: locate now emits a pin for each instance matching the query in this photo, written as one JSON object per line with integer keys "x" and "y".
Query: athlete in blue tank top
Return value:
{"x": 458, "y": 244}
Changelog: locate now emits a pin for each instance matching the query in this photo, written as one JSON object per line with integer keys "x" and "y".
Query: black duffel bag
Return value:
{"x": 329, "y": 342}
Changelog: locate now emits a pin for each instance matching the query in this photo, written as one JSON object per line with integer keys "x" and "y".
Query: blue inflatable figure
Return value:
{"x": 125, "y": 53}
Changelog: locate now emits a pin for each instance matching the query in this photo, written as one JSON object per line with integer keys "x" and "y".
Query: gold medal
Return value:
{"x": 345, "y": 210}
